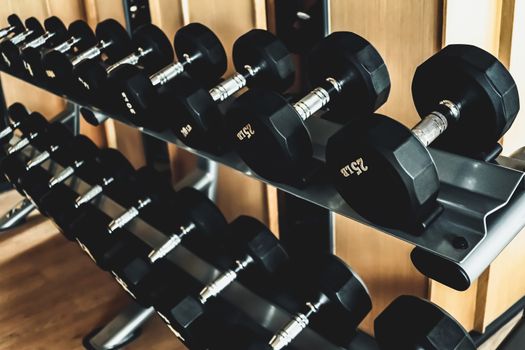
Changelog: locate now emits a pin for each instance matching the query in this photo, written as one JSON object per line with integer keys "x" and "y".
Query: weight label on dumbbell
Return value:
{"x": 357, "y": 167}
{"x": 246, "y": 132}
{"x": 50, "y": 74}
{"x": 129, "y": 106}
{"x": 185, "y": 130}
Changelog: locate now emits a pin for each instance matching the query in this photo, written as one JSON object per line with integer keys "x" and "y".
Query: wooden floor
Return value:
{"x": 51, "y": 295}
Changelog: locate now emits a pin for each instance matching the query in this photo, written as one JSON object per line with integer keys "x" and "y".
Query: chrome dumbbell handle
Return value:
{"x": 224, "y": 280}
{"x": 172, "y": 242}
{"x": 64, "y": 174}
{"x": 37, "y": 42}
{"x": 128, "y": 215}
{"x": 232, "y": 85}
{"x": 298, "y": 323}
{"x": 42, "y": 157}
{"x": 316, "y": 99}
{"x": 93, "y": 192}
{"x": 133, "y": 59}
{"x": 434, "y": 124}
{"x": 90, "y": 53}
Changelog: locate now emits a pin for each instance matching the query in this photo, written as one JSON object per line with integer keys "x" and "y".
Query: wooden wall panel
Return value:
{"x": 405, "y": 33}
{"x": 237, "y": 194}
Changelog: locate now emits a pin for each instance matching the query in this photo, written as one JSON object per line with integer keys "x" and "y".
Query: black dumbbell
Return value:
{"x": 196, "y": 221}
{"x": 256, "y": 252}
{"x": 37, "y": 182}
{"x": 15, "y": 26}
{"x": 412, "y": 323}
{"x": 199, "y": 53}
{"x": 48, "y": 140}
{"x": 55, "y": 32}
{"x": 10, "y": 49}
{"x": 32, "y": 52}
{"x": 269, "y": 133}
{"x": 80, "y": 37}
{"x": 325, "y": 295}
{"x": 384, "y": 170}
{"x": 153, "y": 51}
{"x": 36, "y": 126}
{"x": 113, "y": 42}
{"x": 102, "y": 235}
{"x": 261, "y": 60}
{"x": 18, "y": 117}
{"x": 105, "y": 174}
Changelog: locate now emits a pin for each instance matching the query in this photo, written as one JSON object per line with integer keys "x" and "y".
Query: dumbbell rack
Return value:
{"x": 252, "y": 305}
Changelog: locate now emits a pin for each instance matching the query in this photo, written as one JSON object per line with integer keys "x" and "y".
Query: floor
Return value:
{"x": 51, "y": 295}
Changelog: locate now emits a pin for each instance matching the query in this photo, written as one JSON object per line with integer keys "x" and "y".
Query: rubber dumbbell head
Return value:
{"x": 32, "y": 52}
{"x": 269, "y": 133}
{"x": 256, "y": 251}
{"x": 260, "y": 59}
{"x": 153, "y": 51}
{"x": 55, "y": 32}
{"x": 412, "y": 323}
{"x": 64, "y": 205}
{"x": 336, "y": 302}
{"x": 384, "y": 171}
{"x": 479, "y": 86}
{"x": 14, "y": 26}
{"x": 197, "y": 222}
{"x": 199, "y": 53}
{"x": 10, "y": 49}
{"x": 17, "y": 115}
{"x": 112, "y": 41}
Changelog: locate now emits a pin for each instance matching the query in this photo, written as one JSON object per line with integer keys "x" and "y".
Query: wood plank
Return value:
{"x": 410, "y": 32}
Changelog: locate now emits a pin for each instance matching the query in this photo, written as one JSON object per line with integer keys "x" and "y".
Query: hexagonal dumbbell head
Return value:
{"x": 383, "y": 172}
{"x": 481, "y": 87}
{"x": 411, "y": 323}
{"x": 261, "y": 60}
{"x": 335, "y": 302}
{"x": 353, "y": 60}
{"x": 200, "y": 54}
{"x": 257, "y": 250}
{"x": 269, "y": 133}
{"x": 261, "y": 50}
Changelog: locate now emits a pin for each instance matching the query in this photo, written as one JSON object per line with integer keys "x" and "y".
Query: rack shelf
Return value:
{"x": 483, "y": 204}
{"x": 264, "y": 313}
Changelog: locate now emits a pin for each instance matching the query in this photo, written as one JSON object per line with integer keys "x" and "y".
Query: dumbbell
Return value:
{"x": 18, "y": 116}
{"x": 199, "y": 53}
{"x": 113, "y": 42}
{"x": 412, "y": 323}
{"x": 327, "y": 296}
{"x": 153, "y": 51}
{"x": 256, "y": 253}
{"x": 269, "y": 133}
{"x": 109, "y": 173}
{"x": 49, "y": 139}
{"x": 10, "y": 49}
{"x": 37, "y": 182}
{"x": 197, "y": 223}
{"x": 79, "y": 37}
{"x": 102, "y": 235}
{"x": 15, "y": 26}
{"x": 55, "y": 32}
{"x": 384, "y": 171}
{"x": 260, "y": 59}
{"x": 32, "y": 52}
